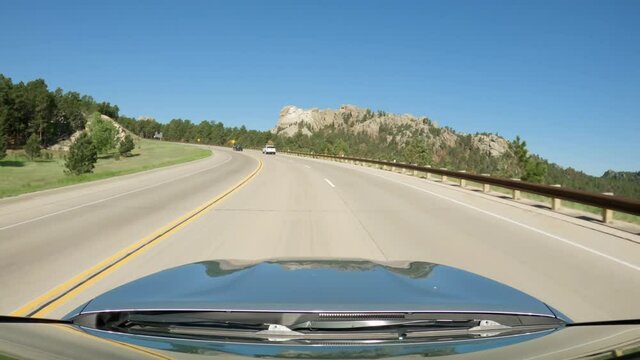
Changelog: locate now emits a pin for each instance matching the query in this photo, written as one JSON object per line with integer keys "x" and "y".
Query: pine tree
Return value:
{"x": 82, "y": 156}
{"x": 126, "y": 145}
{"x": 32, "y": 147}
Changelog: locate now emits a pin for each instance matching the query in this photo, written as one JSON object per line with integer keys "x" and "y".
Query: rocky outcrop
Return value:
{"x": 404, "y": 127}
{"x": 121, "y": 131}
{"x": 491, "y": 143}
{"x": 347, "y": 117}
{"x": 622, "y": 175}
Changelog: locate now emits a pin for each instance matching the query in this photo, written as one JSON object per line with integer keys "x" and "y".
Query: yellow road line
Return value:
{"x": 133, "y": 348}
{"x": 55, "y": 297}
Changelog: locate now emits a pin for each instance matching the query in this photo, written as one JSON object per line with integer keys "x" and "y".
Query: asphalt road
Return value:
{"x": 296, "y": 207}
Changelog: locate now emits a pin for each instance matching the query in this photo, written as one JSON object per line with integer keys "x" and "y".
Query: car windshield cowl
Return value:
{"x": 320, "y": 326}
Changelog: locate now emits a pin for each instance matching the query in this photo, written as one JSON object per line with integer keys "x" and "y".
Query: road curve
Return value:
{"x": 300, "y": 207}
{"x": 49, "y": 237}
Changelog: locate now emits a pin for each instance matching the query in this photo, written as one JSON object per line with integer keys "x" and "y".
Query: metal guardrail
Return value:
{"x": 606, "y": 202}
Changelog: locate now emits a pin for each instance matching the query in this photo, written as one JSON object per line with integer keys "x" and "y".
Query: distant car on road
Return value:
{"x": 269, "y": 149}
{"x": 237, "y": 147}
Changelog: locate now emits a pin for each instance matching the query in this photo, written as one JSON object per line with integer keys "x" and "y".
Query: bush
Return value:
{"x": 126, "y": 145}
{"x": 32, "y": 147}
{"x": 535, "y": 170}
{"x": 82, "y": 156}
{"x": 103, "y": 134}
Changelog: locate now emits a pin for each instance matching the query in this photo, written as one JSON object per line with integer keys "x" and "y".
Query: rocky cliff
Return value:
{"x": 399, "y": 128}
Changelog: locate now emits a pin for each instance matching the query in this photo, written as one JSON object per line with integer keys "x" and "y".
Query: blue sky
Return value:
{"x": 564, "y": 75}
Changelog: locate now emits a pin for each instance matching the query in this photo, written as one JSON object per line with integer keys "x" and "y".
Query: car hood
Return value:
{"x": 317, "y": 286}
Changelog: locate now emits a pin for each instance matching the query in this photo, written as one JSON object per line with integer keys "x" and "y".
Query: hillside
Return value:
{"x": 399, "y": 128}
{"x": 377, "y": 134}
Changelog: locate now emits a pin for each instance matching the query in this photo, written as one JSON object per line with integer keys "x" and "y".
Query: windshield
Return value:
{"x": 401, "y": 160}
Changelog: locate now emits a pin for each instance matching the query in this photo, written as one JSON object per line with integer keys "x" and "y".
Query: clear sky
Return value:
{"x": 564, "y": 75}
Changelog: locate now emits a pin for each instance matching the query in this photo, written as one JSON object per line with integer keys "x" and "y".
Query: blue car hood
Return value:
{"x": 317, "y": 286}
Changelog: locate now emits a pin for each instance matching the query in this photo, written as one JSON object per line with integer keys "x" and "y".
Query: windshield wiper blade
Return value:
{"x": 255, "y": 328}
{"x": 385, "y": 324}
{"x": 278, "y": 333}
{"x": 150, "y": 321}
{"x": 606, "y": 322}
{"x": 312, "y": 327}
{"x": 33, "y": 320}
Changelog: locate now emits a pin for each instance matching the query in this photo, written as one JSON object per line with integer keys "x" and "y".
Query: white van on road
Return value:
{"x": 269, "y": 149}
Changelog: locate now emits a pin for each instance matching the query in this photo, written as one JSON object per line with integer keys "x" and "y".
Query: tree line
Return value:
{"x": 31, "y": 108}
{"x": 205, "y": 132}
{"x": 33, "y": 117}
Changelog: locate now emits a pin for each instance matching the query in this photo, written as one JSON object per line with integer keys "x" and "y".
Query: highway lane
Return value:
{"x": 49, "y": 237}
{"x": 313, "y": 208}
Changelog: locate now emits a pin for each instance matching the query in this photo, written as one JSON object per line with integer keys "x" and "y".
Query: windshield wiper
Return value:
{"x": 179, "y": 320}
{"x": 27, "y": 320}
{"x": 348, "y": 325}
{"x": 140, "y": 321}
{"x": 389, "y": 329}
{"x": 304, "y": 326}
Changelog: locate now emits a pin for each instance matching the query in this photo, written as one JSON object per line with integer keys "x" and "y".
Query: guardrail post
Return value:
{"x": 486, "y": 187}
{"x": 428, "y": 174}
{"x": 515, "y": 193}
{"x": 463, "y": 182}
{"x": 414, "y": 172}
{"x": 556, "y": 203}
{"x": 443, "y": 178}
{"x": 607, "y": 214}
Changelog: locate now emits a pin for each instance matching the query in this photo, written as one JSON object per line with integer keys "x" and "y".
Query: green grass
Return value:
{"x": 18, "y": 175}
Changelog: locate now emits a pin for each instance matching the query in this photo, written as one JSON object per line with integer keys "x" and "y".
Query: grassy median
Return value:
{"x": 19, "y": 175}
